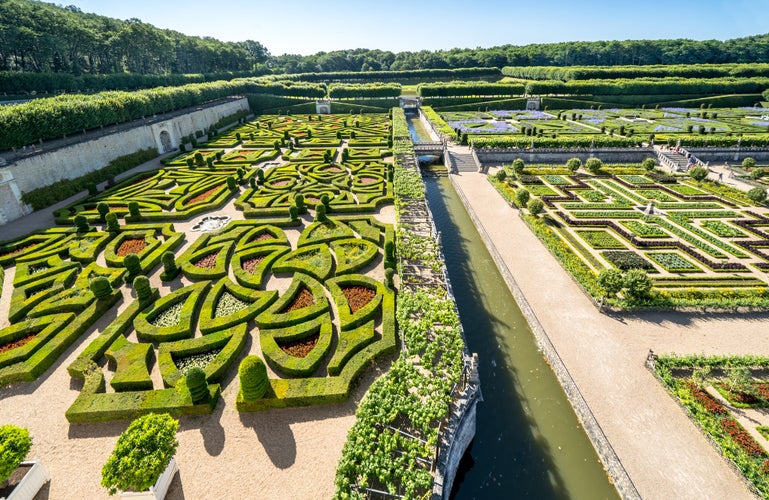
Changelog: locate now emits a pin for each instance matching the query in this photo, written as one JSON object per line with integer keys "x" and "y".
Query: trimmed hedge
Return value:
{"x": 284, "y": 363}
{"x": 276, "y": 315}
{"x": 132, "y": 362}
{"x": 347, "y": 319}
{"x": 184, "y": 327}
{"x": 257, "y": 301}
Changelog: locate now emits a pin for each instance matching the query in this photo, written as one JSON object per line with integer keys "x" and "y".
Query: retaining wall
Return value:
{"x": 43, "y": 168}
{"x": 489, "y": 157}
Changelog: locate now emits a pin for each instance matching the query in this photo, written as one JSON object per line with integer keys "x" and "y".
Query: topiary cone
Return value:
{"x": 142, "y": 287}
{"x": 253, "y": 378}
{"x": 197, "y": 384}
{"x": 101, "y": 287}
{"x": 132, "y": 264}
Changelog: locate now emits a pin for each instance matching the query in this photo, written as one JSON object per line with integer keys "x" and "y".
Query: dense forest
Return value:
{"x": 44, "y": 38}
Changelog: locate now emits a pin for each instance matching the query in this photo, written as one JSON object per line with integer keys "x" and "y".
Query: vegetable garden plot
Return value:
{"x": 687, "y": 237}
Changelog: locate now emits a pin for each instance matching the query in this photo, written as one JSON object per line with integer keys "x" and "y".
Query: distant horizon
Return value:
{"x": 399, "y": 26}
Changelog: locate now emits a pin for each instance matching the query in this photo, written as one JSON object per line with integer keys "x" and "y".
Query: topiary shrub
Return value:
{"x": 231, "y": 183}
{"x": 637, "y": 283}
{"x": 293, "y": 212}
{"x": 260, "y": 175}
{"x": 501, "y": 175}
{"x": 103, "y": 210}
{"x": 518, "y": 166}
{"x": 112, "y": 223}
{"x": 141, "y": 285}
{"x": 14, "y": 446}
{"x": 325, "y": 200}
{"x": 649, "y": 163}
{"x": 252, "y": 182}
{"x": 389, "y": 274}
{"x": 535, "y": 206}
{"x": 141, "y": 454}
{"x": 593, "y": 165}
{"x": 611, "y": 280}
{"x": 92, "y": 189}
{"x": 253, "y": 378}
{"x": 299, "y": 202}
{"x": 101, "y": 287}
{"x": 320, "y": 212}
{"x": 757, "y": 194}
{"x": 573, "y": 164}
{"x": 757, "y": 173}
{"x": 199, "y": 159}
{"x": 133, "y": 209}
{"x": 522, "y": 196}
{"x": 81, "y": 223}
{"x": 196, "y": 383}
{"x": 170, "y": 269}
{"x": 133, "y": 265}
{"x": 748, "y": 162}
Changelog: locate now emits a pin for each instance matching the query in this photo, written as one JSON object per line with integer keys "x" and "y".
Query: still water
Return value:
{"x": 528, "y": 442}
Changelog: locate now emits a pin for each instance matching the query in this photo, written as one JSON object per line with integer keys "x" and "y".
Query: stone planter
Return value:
{"x": 157, "y": 492}
{"x": 32, "y": 481}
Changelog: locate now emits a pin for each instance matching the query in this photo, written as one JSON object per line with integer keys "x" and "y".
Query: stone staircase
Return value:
{"x": 462, "y": 162}
{"x": 676, "y": 162}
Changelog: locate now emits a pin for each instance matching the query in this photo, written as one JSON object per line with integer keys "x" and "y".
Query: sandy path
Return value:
{"x": 664, "y": 453}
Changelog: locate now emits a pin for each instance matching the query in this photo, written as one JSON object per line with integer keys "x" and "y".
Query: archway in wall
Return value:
{"x": 165, "y": 142}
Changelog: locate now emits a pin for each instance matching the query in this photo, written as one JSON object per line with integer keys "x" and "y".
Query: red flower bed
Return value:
{"x": 331, "y": 169}
{"x": 358, "y": 296}
{"x": 368, "y": 180}
{"x": 249, "y": 265}
{"x": 281, "y": 183}
{"x": 202, "y": 196}
{"x": 302, "y": 299}
{"x": 740, "y": 436}
{"x": 131, "y": 246}
{"x": 18, "y": 250}
{"x": 300, "y": 348}
{"x": 207, "y": 262}
{"x": 263, "y": 237}
{"x": 706, "y": 400}
{"x": 16, "y": 343}
{"x": 763, "y": 391}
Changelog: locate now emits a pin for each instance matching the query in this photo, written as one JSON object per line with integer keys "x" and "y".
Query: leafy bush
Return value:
{"x": 253, "y": 378}
{"x": 573, "y": 164}
{"x": 196, "y": 383}
{"x": 748, "y": 162}
{"x": 501, "y": 175}
{"x": 593, "y": 165}
{"x": 611, "y": 280}
{"x": 757, "y": 194}
{"x": 648, "y": 163}
{"x": 535, "y": 206}
{"x": 14, "y": 446}
{"x": 141, "y": 454}
{"x": 522, "y": 196}
{"x": 637, "y": 283}
{"x": 101, "y": 287}
{"x": 698, "y": 173}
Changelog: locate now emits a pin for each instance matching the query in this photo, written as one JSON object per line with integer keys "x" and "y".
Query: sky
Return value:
{"x": 307, "y": 27}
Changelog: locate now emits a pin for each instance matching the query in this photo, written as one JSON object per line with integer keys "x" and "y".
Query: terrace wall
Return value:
{"x": 498, "y": 156}
{"x": 41, "y": 169}
{"x": 732, "y": 155}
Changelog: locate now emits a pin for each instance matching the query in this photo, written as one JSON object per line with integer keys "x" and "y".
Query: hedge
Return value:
{"x": 313, "y": 260}
{"x": 257, "y": 300}
{"x": 254, "y": 279}
{"x": 347, "y": 319}
{"x": 131, "y": 365}
{"x": 284, "y": 363}
{"x": 276, "y": 315}
{"x": 183, "y": 328}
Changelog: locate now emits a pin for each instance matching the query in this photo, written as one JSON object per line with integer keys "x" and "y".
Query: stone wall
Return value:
{"x": 44, "y": 168}
{"x": 490, "y": 157}
{"x": 732, "y": 155}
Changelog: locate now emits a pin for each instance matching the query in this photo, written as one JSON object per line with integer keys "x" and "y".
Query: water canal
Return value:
{"x": 528, "y": 441}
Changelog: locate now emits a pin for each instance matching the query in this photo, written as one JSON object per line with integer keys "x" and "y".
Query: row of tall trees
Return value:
{"x": 45, "y": 38}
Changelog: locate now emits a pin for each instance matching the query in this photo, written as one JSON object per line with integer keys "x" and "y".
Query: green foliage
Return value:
{"x": 133, "y": 265}
{"x": 501, "y": 175}
{"x": 637, "y": 283}
{"x": 81, "y": 223}
{"x": 535, "y": 206}
{"x": 196, "y": 383}
{"x": 15, "y": 443}
{"x": 320, "y": 212}
{"x": 231, "y": 183}
{"x": 253, "y": 378}
{"x": 141, "y": 285}
{"x": 611, "y": 280}
{"x": 293, "y": 212}
{"x": 141, "y": 454}
{"x": 573, "y": 164}
{"x": 698, "y": 173}
{"x": 522, "y": 196}
{"x": 518, "y": 166}
{"x": 112, "y": 223}
{"x": 101, "y": 287}
{"x": 103, "y": 209}
{"x": 757, "y": 194}
{"x": 649, "y": 163}
{"x": 593, "y": 165}
{"x": 170, "y": 269}
{"x": 748, "y": 162}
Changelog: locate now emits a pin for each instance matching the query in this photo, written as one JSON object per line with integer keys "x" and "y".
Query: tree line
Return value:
{"x": 44, "y": 38}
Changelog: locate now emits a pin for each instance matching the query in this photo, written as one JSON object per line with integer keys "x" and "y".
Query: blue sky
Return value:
{"x": 306, "y": 27}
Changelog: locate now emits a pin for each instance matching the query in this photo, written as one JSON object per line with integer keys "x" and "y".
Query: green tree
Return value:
{"x": 701, "y": 376}
{"x": 535, "y": 206}
{"x": 522, "y": 196}
{"x": 573, "y": 164}
{"x": 757, "y": 194}
{"x": 748, "y": 162}
{"x": 501, "y": 175}
{"x": 612, "y": 281}
{"x": 141, "y": 454}
{"x": 518, "y": 166}
{"x": 637, "y": 283}
{"x": 649, "y": 163}
{"x": 593, "y": 165}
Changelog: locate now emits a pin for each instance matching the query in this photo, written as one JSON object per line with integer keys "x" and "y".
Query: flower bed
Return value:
{"x": 132, "y": 245}
{"x": 302, "y": 299}
{"x": 207, "y": 262}
{"x": 300, "y": 348}
{"x": 17, "y": 343}
{"x": 358, "y": 296}
{"x": 228, "y": 304}
{"x": 249, "y": 265}
{"x": 169, "y": 317}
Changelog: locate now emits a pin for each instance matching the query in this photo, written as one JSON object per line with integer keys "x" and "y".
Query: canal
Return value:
{"x": 528, "y": 441}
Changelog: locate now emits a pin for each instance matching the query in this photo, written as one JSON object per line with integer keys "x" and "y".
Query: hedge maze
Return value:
{"x": 297, "y": 281}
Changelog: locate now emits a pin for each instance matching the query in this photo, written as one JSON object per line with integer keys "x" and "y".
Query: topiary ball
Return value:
{"x": 142, "y": 287}
{"x": 253, "y": 378}
{"x": 133, "y": 264}
{"x": 101, "y": 287}
{"x": 196, "y": 383}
